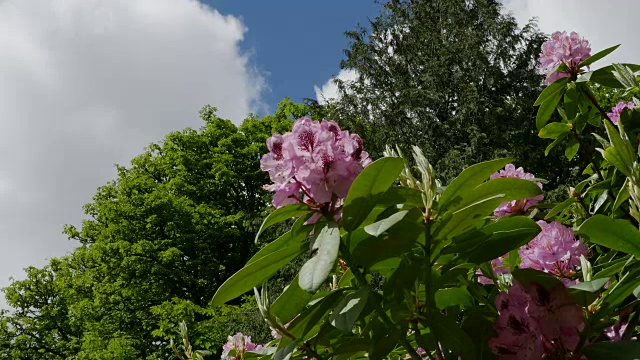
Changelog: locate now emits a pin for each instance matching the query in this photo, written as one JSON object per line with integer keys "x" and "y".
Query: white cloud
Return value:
{"x": 89, "y": 83}
{"x": 329, "y": 90}
{"x": 603, "y": 23}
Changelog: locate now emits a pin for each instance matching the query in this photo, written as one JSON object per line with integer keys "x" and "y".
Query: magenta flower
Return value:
{"x": 516, "y": 206}
{"x": 240, "y": 343}
{"x": 562, "y": 48}
{"x": 555, "y": 251}
{"x": 614, "y": 115}
{"x": 533, "y": 322}
{"x": 314, "y": 164}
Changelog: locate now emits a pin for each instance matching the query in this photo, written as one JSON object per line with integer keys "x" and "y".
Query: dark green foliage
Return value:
{"x": 456, "y": 78}
{"x": 157, "y": 243}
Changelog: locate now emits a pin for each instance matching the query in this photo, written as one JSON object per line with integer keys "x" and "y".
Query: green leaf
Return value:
{"x": 624, "y": 75}
{"x": 481, "y": 202}
{"x": 613, "y": 156}
{"x": 496, "y": 239}
{"x": 452, "y": 336}
{"x": 597, "y": 56}
{"x": 529, "y": 276}
{"x": 572, "y": 148}
{"x": 591, "y": 286}
{"x": 254, "y": 274}
{"x": 550, "y": 92}
{"x": 374, "y": 179}
{"x": 281, "y": 214}
{"x": 623, "y": 195}
{"x": 458, "y": 296}
{"x": 399, "y": 240}
{"x": 348, "y": 310}
{"x": 608, "y": 350}
{"x": 604, "y": 76}
{"x": 618, "y": 292}
{"x": 554, "y": 144}
{"x": 308, "y": 322}
{"x": 295, "y": 236}
{"x": 547, "y": 108}
{"x": 618, "y": 235}
{"x": 315, "y": 271}
{"x": 469, "y": 178}
{"x": 623, "y": 148}
{"x": 560, "y": 207}
{"x": 291, "y": 302}
{"x": 554, "y": 130}
{"x": 378, "y": 228}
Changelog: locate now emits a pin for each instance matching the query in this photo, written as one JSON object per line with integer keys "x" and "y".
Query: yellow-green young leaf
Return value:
{"x": 254, "y": 274}
{"x": 554, "y": 130}
{"x": 374, "y": 179}
{"x": 316, "y": 270}
{"x": 467, "y": 180}
{"x": 618, "y": 235}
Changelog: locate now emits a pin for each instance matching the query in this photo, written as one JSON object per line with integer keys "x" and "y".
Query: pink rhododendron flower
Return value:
{"x": 516, "y": 206}
{"x": 240, "y": 343}
{"x": 614, "y": 115}
{"x": 314, "y": 164}
{"x": 555, "y": 251}
{"x": 562, "y": 48}
{"x": 499, "y": 268}
{"x": 533, "y": 322}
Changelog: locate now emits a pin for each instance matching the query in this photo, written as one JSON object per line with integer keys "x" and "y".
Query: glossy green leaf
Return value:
{"x": 591, "y": 286}
{"x": 291, "y": 302}
{"x": 296, "y": 236}
{"x": 547, "y": 108}
{"x": 452, "y": 336}
{"x": 550, "y": 92}
{"x": 307, "y": 324}
{"x": 554, "y": 130}
{"x": 378, "y": 228}
{"x": 529, "y": 276}
{"x": 468, "y": 179}
{"x": 623, "y": 195}
{"x": 316, "y": 270}
{"x": 572, "y": 148}
{"x": 497, "y": 239}
{"x": 622, "y": 147}
{"x": 281, "y": 214}
{"x": 618, "y": 235}
{"x": 624, "y": 75}
{"x": 457, "y": 296}
{"x": 348, "y": 310}
{"x": 554, "y": 144}
{"x": 254, "y": 274}
{"x": 374, "y": 179}
{"x": 560, "y": 208}
{"x": 597, "y": 56}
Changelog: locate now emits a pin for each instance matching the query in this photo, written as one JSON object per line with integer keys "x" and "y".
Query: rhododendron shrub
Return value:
{"x": 399, "y": 266}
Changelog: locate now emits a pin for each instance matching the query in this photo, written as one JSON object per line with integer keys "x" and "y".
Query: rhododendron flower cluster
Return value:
{"x": 614, "y": 115}
{"x": 555, "y": 251}
{"x": 315, "y": 163}
{"x": 562, "y": 48}
{"x": 240, "y": 343}
{"x": 516, "y": 206}
{"x": 534, "y": 321}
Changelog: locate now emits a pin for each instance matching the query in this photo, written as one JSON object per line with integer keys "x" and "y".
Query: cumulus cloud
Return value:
{"x": 329, "y": 90}
{"x": 603, "y": 23}
{"x": 89, "y": 83}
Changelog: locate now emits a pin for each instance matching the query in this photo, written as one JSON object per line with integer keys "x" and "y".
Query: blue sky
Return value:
{"x": 298, "y": 44}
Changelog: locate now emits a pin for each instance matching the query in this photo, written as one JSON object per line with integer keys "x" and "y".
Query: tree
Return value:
{"x": 456, "y": 78}
{"x": 159, "y": 241}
